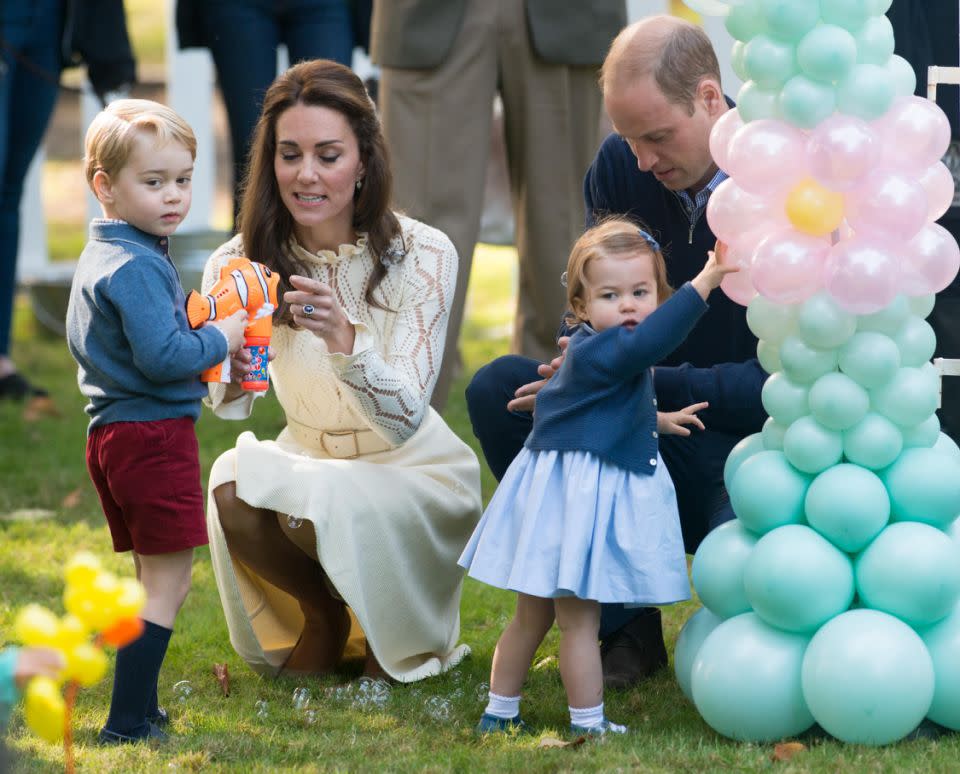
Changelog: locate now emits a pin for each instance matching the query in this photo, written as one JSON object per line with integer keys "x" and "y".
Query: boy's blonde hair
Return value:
{"x": 111, "y": 135}
{"x": 611, "y": 237}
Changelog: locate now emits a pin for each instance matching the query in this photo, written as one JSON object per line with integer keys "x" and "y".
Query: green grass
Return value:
{"x": 42, "y": 470}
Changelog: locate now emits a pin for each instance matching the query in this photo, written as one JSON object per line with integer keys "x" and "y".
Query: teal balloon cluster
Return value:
{"x": 802, "y": 60}
{"x": 834, "y": 596}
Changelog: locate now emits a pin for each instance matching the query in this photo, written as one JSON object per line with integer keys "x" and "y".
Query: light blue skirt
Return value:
{"x": 568, "y": 524}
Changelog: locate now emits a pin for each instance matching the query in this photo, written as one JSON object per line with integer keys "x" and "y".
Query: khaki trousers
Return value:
{"x": 438, "y": 122}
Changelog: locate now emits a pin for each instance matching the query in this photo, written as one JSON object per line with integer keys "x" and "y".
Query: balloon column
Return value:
{"x": 833, "y": 596}
{"x": 101, "y": 610}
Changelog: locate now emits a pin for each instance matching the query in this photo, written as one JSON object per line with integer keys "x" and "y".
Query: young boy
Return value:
{"x": 139, "y": 365}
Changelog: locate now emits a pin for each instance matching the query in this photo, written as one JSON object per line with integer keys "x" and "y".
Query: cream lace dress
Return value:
{"x": 393, "y": 504}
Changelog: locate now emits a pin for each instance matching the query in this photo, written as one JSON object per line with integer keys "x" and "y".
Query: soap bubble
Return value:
{"x": 483, "y": 692}
{"x": 182, "y": 691}
{"x": 261, "y": 709}
{"x": 301, "y": 698}
{"x": 438, "y": 708}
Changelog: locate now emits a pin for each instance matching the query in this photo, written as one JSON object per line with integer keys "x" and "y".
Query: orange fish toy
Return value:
{"x": 243, "y": 284}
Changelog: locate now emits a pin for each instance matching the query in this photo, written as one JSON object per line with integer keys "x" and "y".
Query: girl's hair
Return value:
{"x": 266, "y": 224}
{"x": 110, "y": 138}
{"x": 612, "y": 237}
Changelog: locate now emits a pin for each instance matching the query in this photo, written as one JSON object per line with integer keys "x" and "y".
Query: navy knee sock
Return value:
{"x": 135, "y": 681}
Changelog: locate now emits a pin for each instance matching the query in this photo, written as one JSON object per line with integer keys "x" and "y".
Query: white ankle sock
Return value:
{"x": 505, "y": 707}
{"x": 587, "y": 717}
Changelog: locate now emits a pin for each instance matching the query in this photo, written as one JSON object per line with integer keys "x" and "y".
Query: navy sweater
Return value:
{"x": 602, "y": 400}
{"x": 721, "y": 348}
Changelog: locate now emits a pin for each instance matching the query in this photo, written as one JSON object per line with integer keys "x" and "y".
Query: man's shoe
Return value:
{"x": 161, "y": 719}
{"x": 606, "y": 727}
{"x": 634, "y": 652}
{"x": 153, "y": 733}
{"x": 491, "y": 724}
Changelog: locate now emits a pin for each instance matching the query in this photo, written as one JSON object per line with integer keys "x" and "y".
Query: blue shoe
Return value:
{"x": 152, "y": 733}
{"x": 491, "y": 724}
{"x": 606, "y": 727}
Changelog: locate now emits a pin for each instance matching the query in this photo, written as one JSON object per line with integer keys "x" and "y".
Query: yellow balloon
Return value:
{"x": 79, "y": 602}
{"x": 44, "y": 709}
{"x": 131, "y": 598}
{"x": 71, "y": 632}
{"x": 814, "y": 209}
{"x": 82, "y": 568}
{"x": 86, "y": 663}
{"x": 35, "y": 625}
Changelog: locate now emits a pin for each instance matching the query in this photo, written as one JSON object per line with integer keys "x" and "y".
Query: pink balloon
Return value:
{"x": 888, "y": 203}
{"x": 723, "y": 130}
{"x": 766, "y": 155}
{"x": 937, "y": 181}
{"x": 841, "y": 151}
{"x": 929, "y": 262}
{"x": 731, "y": 210}
{"x": 915, "y": 133}
{"x": 787, "y": 266}
{"x": 861, "y": 274}
{"x": 739, "y": 287}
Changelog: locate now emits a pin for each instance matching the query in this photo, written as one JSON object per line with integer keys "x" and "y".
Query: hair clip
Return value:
{"x": 654, "y": 245}
{"x": 563, "y": 279}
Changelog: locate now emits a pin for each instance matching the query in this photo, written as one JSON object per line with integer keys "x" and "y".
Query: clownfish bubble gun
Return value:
{"x": 243, "y": 284}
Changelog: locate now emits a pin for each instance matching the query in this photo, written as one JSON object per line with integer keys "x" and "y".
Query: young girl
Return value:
{"x": 587, "y": 513}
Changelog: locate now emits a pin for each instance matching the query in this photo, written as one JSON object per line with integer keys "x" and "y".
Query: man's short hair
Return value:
{"x": 677, "y": 53}
{"x": 110, "y": 138}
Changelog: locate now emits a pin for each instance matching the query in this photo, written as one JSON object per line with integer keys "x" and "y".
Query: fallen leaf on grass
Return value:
{"x": 38, "y": 408}
{"x": 72, "y": 500}
{"x": 550, "y": 741}
{"x": 545, "y": 662}
{"x": 223, "y": 677}
{"x": 786, "y": 750}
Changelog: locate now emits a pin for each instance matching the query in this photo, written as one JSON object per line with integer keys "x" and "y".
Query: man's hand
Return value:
{"x": 525, "y": 397}
{"x": 674, "y": 422}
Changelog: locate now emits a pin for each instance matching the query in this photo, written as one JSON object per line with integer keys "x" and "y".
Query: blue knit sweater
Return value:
{"x": 721, "y": 348}
{"x": 127, "y": 329}
{"x": 602, "y": 400}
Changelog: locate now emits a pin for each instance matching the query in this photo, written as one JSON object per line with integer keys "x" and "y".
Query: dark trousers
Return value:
{"x": 695, "y": 463}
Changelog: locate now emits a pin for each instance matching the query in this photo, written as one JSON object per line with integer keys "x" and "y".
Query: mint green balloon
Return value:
{"x": 946, "y": 446}
{"x": 901, "y": 75}
{"x": 789, "y": 20}
{"x": 689, "y": 640}
{"x": 804, "y": 102}
{"x": 849, "y": 14}
{"x": 925, "y": 434}
{"x": 912, "y": 571}
{"x": 805, "y": 364}
{"x": 717, "y": 568}
{"x": 772, "y": 434}
{"x": 954, "y": 531}
{"x": 921, "y": 306}
{"x": 848, "y": 505}
{"x": 874, "y": 442}
{"x": 770, "y": 63}
{"x": 875, "y": 41}
{"x": 867, "y": 677}
{"x": 924, "y": 486}
{"x": 908, "y": 398}
{"x": 768, "y": 353}
{"x": 736, "y": 60}
{"x": 810, "y": 447}
{"x": 871, "y": 359}
{"x": 916, "y": 342}
{"x": 746, "y": 681}
{"x": 783, "y": 399}
{"x": 744, "y": 450}
{"x": 744, "y": 20}
{"x": 823, "y": 323}
{"x": 943, "y": 644}
{"x": 879, "y": 6}
{"x": 756, "y": 104}
{"x": 866, "y": 92}
{"x": 771, "y": 322}
{"x": 797, "y": 580}
{"x": 827, "y": 53}
{"x": 767, "y": 492}
{"x": 888, "y": 320}
{"x": 837, "y": 401}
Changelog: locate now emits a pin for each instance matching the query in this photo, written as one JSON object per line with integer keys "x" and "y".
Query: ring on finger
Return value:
{"x": 307, "y": 310}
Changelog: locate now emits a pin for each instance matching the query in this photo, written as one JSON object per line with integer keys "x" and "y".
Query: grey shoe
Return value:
{"x": 153, "y": 733}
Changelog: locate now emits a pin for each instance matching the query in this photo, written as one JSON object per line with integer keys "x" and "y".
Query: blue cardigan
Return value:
{"x": 602, "y": 400}
{"x": 721, "y": 348}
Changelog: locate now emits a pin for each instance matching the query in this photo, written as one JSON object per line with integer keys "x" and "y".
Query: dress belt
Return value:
{"x": 339, "y": 444}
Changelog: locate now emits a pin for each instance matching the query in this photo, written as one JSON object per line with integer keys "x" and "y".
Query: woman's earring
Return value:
{"x": 359, "y": 183}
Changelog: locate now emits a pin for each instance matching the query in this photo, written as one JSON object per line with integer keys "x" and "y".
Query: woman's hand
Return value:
{"x": 241, "y": 365}
{"x": 315, "y": 309}
{"x": 674, "y": 422}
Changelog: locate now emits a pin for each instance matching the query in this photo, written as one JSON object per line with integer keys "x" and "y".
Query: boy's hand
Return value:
{"x": 37, "y": 662}
{"x": 713, "y": 271}
{"x": 233, "y": 326}
{"x": 526, "y": 395}
{"x": 674, "y": 422}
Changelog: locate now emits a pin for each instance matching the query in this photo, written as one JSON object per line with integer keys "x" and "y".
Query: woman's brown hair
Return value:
{"x": 265, "y": 223}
